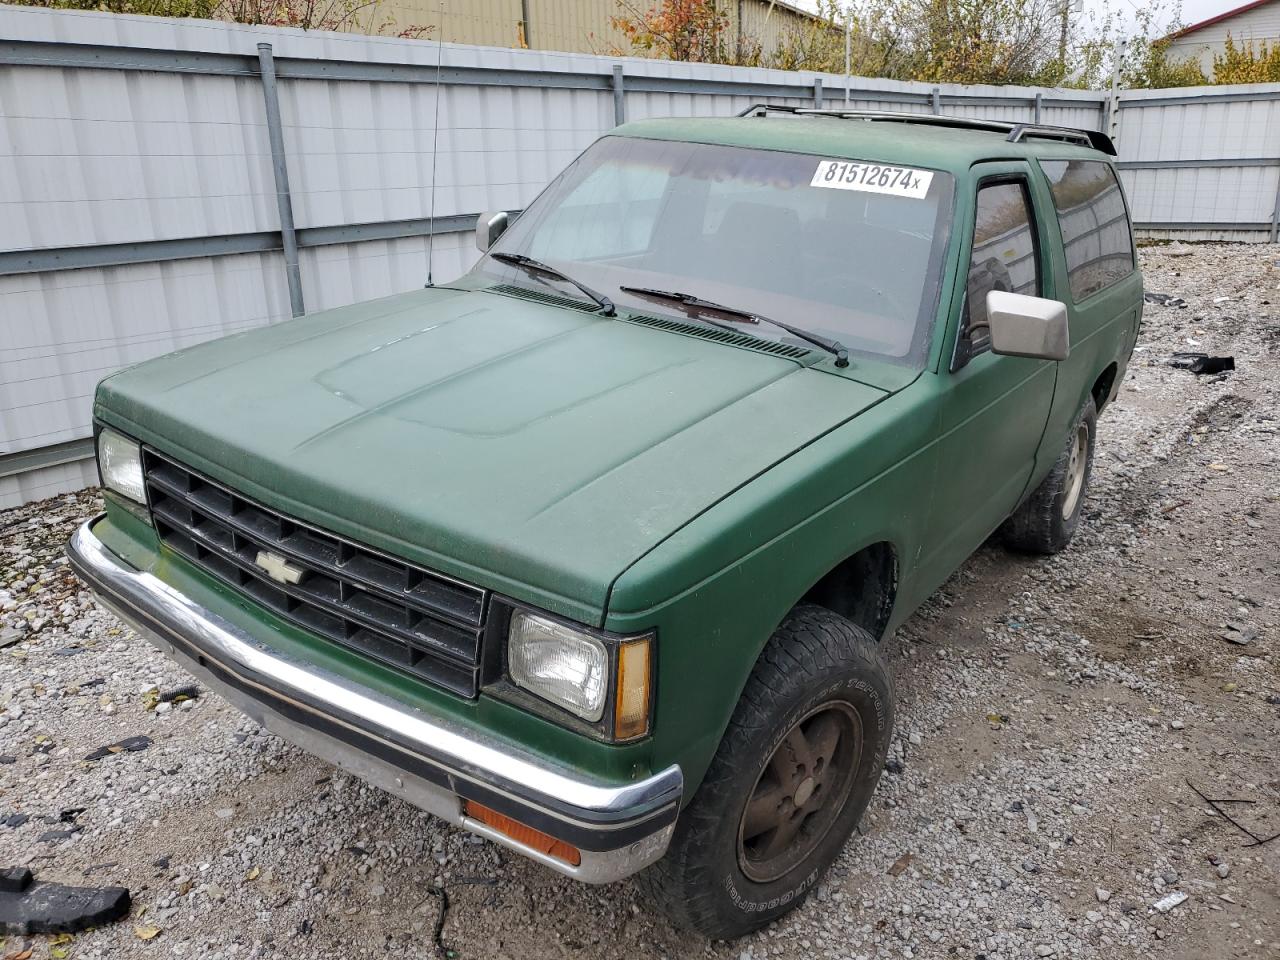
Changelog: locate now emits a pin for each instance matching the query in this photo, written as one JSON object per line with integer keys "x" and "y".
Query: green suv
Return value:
{"x": 592, "y": 551}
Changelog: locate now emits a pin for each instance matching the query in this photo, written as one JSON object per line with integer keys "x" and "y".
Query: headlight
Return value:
{"x": 603, "y": 678}
{"x": 120, "y": 462}
{"x": 568, "y": 667}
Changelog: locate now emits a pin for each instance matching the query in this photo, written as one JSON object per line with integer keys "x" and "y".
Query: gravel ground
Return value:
{"x": 1054, "y": 715}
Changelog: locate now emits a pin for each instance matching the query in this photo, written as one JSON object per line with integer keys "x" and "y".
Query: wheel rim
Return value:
{"x": 800, "y": 792}
{"x": 1077, "y": 463}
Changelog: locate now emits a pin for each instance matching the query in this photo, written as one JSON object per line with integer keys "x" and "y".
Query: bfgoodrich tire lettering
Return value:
{"x": 1047, "y": 520}
{"x": 815, "y": 663}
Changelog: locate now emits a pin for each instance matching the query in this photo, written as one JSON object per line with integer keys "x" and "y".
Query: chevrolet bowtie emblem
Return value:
{"x": 278, "y": 568}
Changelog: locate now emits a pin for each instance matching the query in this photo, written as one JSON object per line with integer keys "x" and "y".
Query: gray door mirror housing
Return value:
{"x": 1022, "y": 326}
{"x": 489, "y": 227}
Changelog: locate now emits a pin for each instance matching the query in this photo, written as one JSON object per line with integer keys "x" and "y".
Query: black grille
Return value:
{"x": 420, "y": 622}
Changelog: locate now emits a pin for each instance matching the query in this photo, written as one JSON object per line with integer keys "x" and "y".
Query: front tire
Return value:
{"x": 793, "y": 774}
{"x": 1047, "y": 520}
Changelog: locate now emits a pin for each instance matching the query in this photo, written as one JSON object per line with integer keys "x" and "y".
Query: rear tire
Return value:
{"x": 793, "y": 774}
{"x": 1047, "y": 520}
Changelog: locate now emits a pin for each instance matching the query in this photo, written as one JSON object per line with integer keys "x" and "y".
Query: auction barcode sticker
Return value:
{"x": 872, "y": 178}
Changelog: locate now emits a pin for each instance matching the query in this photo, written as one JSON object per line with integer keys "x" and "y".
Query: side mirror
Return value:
{"x": 489, "y": 227}
{"x": 1023, "y": 326}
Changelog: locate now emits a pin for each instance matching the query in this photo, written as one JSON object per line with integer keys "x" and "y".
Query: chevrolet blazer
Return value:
{"x": 592, "y": 552}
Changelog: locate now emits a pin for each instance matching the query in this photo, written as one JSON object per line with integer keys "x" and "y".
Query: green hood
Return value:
{"x": 533, "y": 449}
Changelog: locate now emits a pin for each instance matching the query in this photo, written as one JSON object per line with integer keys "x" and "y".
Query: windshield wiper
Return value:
{"x": 537, "y": 266}
{"x": 698, "y": 303}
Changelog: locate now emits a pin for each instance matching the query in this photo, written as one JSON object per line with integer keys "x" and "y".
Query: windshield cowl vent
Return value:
{"x": 551, "y": 299}
{"x": 729, "y": 337}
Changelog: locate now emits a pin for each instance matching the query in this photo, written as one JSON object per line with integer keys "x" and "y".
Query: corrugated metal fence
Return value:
{"x": 145, "y": 204}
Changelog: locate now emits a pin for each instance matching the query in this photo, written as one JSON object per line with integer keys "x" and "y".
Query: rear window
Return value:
{"x": 1094, "y": 222}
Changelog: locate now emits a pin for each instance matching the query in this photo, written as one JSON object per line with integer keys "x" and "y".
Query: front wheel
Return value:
{"x": 788, "y": 784}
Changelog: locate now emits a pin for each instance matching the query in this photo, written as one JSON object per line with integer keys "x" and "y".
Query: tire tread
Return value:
{"x": 680, "y": 884}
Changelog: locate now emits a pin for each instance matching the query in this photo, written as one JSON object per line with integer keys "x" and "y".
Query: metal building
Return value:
{"x": 1252, "y": 24}
{"x": 572, "y": 26}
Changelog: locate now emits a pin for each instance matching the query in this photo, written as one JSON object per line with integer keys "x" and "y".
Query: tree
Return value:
{"x": 676, "y": 30}
{"x": 360, "y": 16}
{"x": 816, "y": 44}
{"x": 363, "y": 16}
{"x": 156, "y": 8}
{"x": 989, "y": 41}
{"x": 1152, "y": 68}
{"x": 1242, "y": 64}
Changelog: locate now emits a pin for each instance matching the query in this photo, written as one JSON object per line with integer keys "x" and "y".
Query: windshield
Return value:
{"x": 845, "y": 249}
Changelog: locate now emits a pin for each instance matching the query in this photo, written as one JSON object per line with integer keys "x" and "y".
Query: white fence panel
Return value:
{"x": 1202, "y": 163}
{"x": 138, "y": 196}
{"x": 92, "y": 157}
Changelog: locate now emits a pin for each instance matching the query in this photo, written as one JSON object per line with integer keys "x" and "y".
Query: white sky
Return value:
{"x": 1193, "y": 11}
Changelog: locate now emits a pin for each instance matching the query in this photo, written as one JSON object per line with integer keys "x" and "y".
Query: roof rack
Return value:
{"x": 1014, "y": 132}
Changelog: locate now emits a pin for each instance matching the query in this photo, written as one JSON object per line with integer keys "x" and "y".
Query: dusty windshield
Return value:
{"x": 847, "y": 249}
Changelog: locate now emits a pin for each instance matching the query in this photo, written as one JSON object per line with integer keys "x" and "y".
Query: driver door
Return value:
{"x": 994, "y": 408}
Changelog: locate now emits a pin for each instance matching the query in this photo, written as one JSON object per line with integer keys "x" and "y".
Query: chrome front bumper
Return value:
{"x": 434, "y": 763}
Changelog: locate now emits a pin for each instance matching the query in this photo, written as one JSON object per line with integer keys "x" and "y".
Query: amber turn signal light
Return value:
{"x": 631, "y": 708}
{"x": 523, "y": 834}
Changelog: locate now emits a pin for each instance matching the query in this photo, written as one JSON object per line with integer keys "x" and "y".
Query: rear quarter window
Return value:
{"x": 1096, "y": 233}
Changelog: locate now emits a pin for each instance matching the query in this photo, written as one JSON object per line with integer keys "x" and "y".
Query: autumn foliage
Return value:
{"x": 1244, "y": 64}
{"x": 676, "y": 30}
{"x": 360, "y": 16}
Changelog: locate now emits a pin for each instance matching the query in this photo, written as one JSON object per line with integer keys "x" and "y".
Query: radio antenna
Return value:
{"x": 435, "y": 141}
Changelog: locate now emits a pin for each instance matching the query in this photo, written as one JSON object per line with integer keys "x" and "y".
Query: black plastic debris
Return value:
{"x": 1165, "y": 300}
{"x": 1202, "y": 363}
{"x": 28, "y": 906}
{"x": 128, "y": 744}
{"x": 189, "y": 692}
{"x": 14, "y": 879}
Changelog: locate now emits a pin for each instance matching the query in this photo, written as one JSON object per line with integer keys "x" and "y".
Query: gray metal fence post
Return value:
{"x": 524, "y": 19}
{"x": 817, "y": 93}
{"x": 1112, "y": 110}
{"x": 284, "y": 201}
{"x": 936, "y": 100}
{"x": 1275, "y": 215}
{"x": 619, "y": 100}
{"x": 1039, "y": 105}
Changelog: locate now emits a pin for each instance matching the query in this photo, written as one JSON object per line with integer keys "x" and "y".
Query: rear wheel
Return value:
{"x": 1047, "y": 520}
{"x": 789, "y": 782}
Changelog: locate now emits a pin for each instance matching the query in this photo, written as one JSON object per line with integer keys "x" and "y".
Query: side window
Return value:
{"x": 1095, "y": 227}
{"x": 1004, "y": 253}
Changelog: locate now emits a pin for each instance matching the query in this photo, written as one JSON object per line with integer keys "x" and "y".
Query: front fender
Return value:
{"x": 717, "y": 589}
